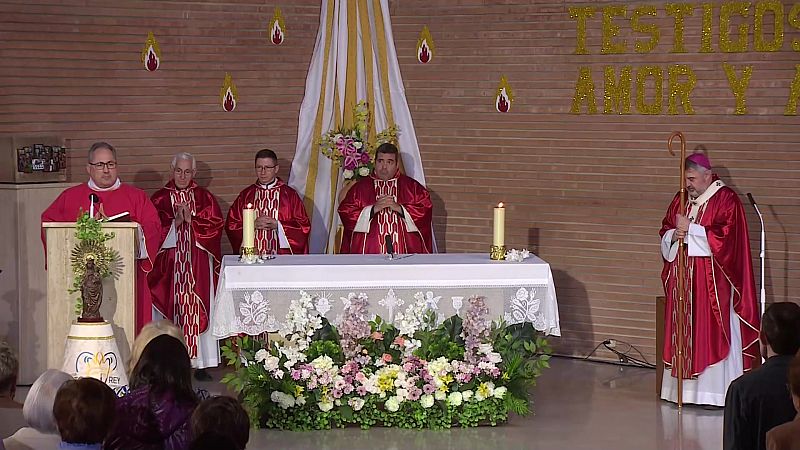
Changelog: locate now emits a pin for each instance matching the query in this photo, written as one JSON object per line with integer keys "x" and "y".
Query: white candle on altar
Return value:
{"x": 499, "y": 235}
{"x": 248, "y": 226}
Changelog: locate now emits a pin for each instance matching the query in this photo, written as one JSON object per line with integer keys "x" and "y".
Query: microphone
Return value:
{"x": 750, "y": 196}
{"x": 389, "y": 245}
{"x": 93, "y": 198}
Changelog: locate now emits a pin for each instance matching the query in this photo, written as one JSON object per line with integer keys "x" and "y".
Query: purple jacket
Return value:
{"x": 149, "y": 422}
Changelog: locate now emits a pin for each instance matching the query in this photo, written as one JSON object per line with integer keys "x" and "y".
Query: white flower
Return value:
{"x": 363, "y": 171}
{"x": 325, "y": 406}
{"x": 466, "y": 395}
{"x": 358, "y": 145}
{"x": 440, "y": 394}
{"x": 500, "y": 392}
{"x": 322, "y": 363}
{"x": 402, "y": 394}
{"x": 271, "y": 362}
{"x": 283, "y": 400}
{"x": 348, "y": 174}
{"x": 278, "y": 374}
{"x": 261, "y": 355}
{"x": 392, "y": 404}
{"x": 300, "y": 400}
{"x": 426, "y": 401}
{"x": 356, "y": 403}
{"x": 455, "y": 398}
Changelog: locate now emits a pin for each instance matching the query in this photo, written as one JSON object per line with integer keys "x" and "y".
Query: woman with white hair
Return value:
{"x": 41, "y": 431}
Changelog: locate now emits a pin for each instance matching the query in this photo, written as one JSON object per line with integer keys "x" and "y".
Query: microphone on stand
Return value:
{"x": 93, "y": 198}
{"x": 389, "y": 245}
{"x": 761, "y": 254}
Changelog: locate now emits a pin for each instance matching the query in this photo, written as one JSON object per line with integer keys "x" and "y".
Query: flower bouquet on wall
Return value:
{"x": 414, "y": 372}
{"x": 351, "y": 149}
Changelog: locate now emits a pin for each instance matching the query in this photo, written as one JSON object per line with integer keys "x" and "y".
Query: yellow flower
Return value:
{"x": 298, "y": 390}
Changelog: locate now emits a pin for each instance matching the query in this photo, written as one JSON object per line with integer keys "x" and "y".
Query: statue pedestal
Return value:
{"x": 91, "y": 351}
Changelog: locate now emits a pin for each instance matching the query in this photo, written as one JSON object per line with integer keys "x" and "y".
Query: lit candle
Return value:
{"x": 248, "y": 226}
{"x": 499, "y": 236}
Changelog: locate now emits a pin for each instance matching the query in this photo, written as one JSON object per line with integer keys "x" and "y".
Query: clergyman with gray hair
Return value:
{"x": 721, "y": 314}
{"x": 187, "y": 264}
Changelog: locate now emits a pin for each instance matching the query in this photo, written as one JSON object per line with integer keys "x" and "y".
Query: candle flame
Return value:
{"x": 249, "y": 206}
{"x": 500, "y": 205}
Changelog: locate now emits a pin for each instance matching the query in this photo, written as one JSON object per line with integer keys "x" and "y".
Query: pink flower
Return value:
{"x": 337, "y": 393}
{"x": 361, "y": 391}
{"x": 296, "y": 374}
{"x": 376, "y": 336}
{"x": 414, "y": 393}
{"x": 360, "y": 377}
{"x": 400, "y": 341}
{"x": 387, "y": 357}
{"x": 364, "y": 158}
{"x": 429, "y": 388}
{"x": 348, "y": 388}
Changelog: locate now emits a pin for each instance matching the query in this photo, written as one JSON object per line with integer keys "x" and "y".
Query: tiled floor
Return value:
{"x": 578, "y": 405}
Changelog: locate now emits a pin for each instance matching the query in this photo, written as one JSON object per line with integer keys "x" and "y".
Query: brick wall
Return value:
{"x": 586, "y": 192}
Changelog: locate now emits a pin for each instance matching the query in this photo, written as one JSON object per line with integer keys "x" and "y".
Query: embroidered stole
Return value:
{"x": 187, "y": 304}
{"x": 388, "y": 221}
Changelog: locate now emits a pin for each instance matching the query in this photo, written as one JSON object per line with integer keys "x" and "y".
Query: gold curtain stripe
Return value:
{"x": 313, "y": 164}
{"x": 351, "y": 79}
{"x": 366, "y": 44}
{"x": 383, "y": 60}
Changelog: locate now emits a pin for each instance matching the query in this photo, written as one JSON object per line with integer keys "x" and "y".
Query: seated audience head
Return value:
{"x": 213, "y": 441}
{"x": 780, "y": 329}
{"x": 266, "y": 166}
{"x": 9, "y": 370}
{"x": 38, "y": 407}
{"x": 148, "y": 333}
{"x": 102, "y": 164}
{"x": 386, "y": 161}
{"x": 224, "y": 415}
{"x": 84, "y": 411}
{"x": 164, "y": 367}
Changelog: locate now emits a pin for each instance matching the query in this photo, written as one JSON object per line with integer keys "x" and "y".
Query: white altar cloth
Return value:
{"x": 254, "y": 298}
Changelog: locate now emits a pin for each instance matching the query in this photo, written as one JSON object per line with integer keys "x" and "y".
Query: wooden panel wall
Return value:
{"x": 586, "y": 192}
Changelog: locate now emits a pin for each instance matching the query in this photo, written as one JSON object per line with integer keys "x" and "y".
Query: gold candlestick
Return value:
{"x": 497, "y": 252}
{"x": 248, "y": 255}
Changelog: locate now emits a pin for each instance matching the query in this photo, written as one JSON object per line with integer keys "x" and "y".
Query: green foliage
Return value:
{"x": 524, "y": 352}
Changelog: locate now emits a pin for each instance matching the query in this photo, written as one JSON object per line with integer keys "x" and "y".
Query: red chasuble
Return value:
{"x": 280, "y": 202}
{"x": 126, "y": 198}
{"x": 712, "y": 283}
{"x": 409, "y": 194}
{"x": 181, "y": 281}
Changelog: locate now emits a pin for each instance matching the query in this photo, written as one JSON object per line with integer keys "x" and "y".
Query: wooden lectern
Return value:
{"x": 119, "y": 290}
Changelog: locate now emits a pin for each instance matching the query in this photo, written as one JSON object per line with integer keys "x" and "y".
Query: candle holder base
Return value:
{"x": 249, "y": 255}
{"x": 497, "y": 252}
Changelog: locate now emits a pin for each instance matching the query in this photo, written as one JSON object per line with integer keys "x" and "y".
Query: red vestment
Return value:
{"x": 280, "y": 202}
{"x": 126, "y": 198}
{"x": 180, "y": 282}
{"x": 712, "y": 284}
{"x": 409, "y": 194}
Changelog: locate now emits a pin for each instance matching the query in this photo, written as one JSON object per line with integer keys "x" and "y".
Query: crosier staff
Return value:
{"x": 681, "y": 264}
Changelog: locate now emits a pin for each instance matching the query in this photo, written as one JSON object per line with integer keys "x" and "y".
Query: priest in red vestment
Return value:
{"x": 282, "y": 225}
{"x": 387, "y": 203}
{"x": 721, "y": 314}
{"x": 186, "y": 268}
{"x": 112, "y": 198}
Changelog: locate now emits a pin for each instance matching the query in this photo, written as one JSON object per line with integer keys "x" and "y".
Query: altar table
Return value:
{"x": 254, "y": 298}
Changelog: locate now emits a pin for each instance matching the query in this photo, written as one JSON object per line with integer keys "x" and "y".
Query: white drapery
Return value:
{"x": 354, "y": 59}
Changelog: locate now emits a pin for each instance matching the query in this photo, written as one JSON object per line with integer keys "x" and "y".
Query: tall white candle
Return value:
{"x": 499, "y": 235}
{"x": 248, "y": 226}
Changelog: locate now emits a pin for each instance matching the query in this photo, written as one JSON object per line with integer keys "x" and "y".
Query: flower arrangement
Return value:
{"x": 351, "y": 149}
{"x": 91, "y": 245}
{"x": 413, "y": 373}
{"x": 515, "y": 255}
